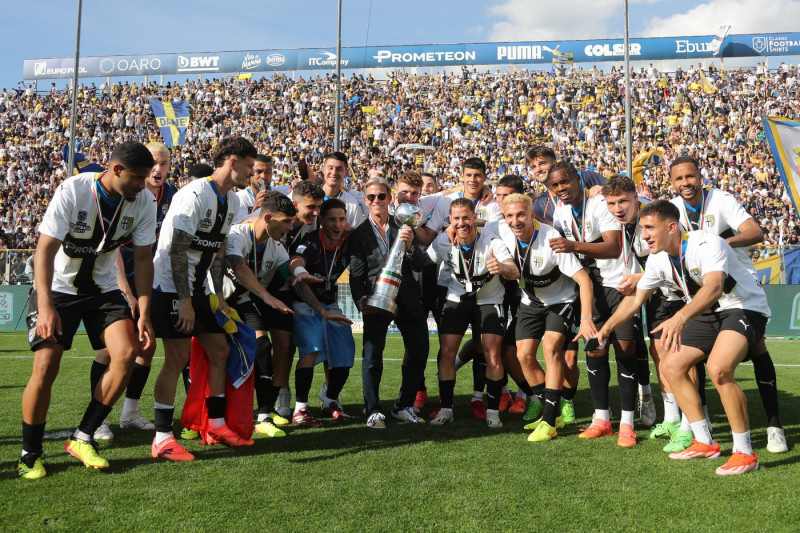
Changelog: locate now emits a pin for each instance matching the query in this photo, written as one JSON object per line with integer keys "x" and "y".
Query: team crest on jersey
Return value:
{"x": 268, "y": 266}
{"x": 206, "y": 222}
{"x": 479, "y": 262}
{"x": 164, "y": 209}
{"x": 230, "y": 219}
{"x": 80, "y": 226}
{"x": 710, "y": 219}
{"x": 126, "y": 223}
{"x": 537, "y": 261}
{"x": 588, "y": 226}
{"x": 696, "y": 272}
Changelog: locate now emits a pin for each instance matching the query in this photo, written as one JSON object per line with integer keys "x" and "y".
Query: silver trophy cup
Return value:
{"x": 383, "y": 299}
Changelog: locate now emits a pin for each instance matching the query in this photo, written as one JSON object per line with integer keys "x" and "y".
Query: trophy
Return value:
{"x": 388, "y": 283}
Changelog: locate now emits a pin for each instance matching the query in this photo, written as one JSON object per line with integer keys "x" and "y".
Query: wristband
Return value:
{"x": 299, "y": 270}
{"x": 586, "y": 318}
{"x": 683, "y": 317}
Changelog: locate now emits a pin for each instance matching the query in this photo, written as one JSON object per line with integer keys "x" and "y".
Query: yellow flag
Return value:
{"x": 708, "y": 87}
{"x": 245, "y": 76}
{"x": 644, "y": 161}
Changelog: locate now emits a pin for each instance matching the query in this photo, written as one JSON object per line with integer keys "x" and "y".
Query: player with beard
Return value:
{"x": 89, "y": 217}
{"x": 163, "y": 191}
{"x": 191, "y": 245}
{"x": 720, "y": 213}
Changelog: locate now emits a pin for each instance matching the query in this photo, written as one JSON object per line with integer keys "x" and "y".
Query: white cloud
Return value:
{"x": 523, "y": 20}
{"x": 745, "y": 16}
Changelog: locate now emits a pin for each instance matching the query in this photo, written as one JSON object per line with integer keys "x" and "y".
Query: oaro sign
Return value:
{"x": 321, "y": 59}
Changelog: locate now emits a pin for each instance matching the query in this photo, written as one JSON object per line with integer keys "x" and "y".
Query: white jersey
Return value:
{"x": 546, "y": 275}
{"x": 595, "y": 221}
{"x": 426, "y": 204}
{"x": 467, "y": 268}
{"x": 702, "y": 253}
{"x": 264, "y": 260}
{"x": 86, "y": 261}
{"x": 247, "y": 201}
{"x": 199, "y": 210}
{"x": 719, "y": 213}
{"x": 355, "y": 207}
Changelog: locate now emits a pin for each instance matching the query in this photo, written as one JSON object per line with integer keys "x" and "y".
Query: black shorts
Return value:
{"x": 511, "y": 304}
{"x": 606, "y": 302}
{"x": 701, "y": 332}
{"x": 533, "y": 321}
{"x": 97, "y": 312}
{"x": 274, "y": 319}
{"x": 441, "y": 298}
{"x": 457, "y": 317}
{"x": 658, "y": 309}
{"x": 164, "y": 314}
{"x": 430, "y": 273}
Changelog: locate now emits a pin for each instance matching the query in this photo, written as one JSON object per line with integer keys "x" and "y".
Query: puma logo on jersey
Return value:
{"x": 745, "y": 324}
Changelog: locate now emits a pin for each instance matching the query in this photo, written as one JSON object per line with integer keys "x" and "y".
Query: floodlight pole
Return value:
{"x": 74, "y": 107}
{"x": 628, "y": 122}
{"x": 337, "y": 137}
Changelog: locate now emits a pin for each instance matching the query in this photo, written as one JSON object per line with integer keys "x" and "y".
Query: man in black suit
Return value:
{"x": 370, "y": 243}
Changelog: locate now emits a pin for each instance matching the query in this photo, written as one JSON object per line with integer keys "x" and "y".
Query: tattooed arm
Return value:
{"x": 246, "y": 277}
{"x": 179, "y": 262}
{"x": 307, "y": 296}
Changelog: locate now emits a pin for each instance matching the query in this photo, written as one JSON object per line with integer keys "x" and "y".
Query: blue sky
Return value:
{"x": 46, "y": 28}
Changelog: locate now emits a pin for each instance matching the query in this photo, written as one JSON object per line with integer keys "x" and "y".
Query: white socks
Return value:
{"x": 741, "y": 443}
{"x": 626, "y": 417}
{"x": 672, "y": 413}
{"x": 702, "y": 432}
{"x": 130, "y": 406}
{"x": 603, "y": 414}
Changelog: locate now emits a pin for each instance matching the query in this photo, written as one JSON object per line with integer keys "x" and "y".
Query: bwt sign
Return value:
{"x": 198, "y": 63}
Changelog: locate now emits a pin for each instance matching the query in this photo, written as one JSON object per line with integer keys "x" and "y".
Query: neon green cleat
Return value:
{"x": 34, "y": 471}
{"x": 680, "y": 440}
{"x": 266, "y": 427}
{"x": 278, "y": 420}
{"x": 533, "y": 425}
{"x": 664, "y": 429}
{"x": 189, "y": 434}
{"x": 543, "y": 433}
{"x": 534, "y": 411}
{"x": 86, "y": 452}
{"x": 567, "y": 411}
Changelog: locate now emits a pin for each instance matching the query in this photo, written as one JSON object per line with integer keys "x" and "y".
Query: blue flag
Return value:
{"x": 81, "y": 163}
{"x": 172, "y": 119}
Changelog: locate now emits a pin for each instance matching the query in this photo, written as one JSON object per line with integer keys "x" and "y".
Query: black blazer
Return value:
{"x": 367, "y": 260}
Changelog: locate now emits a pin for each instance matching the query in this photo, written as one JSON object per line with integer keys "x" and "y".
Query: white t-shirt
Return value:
{"x": 704, "y": 253}
{"x": 86, "y": 261}
{"x": 475, "y": 278}
{"x": 265, "y": 263}
{"x": 719, "y": 213}
{"x": 547, "y": 275}
{"x": 355, "y": 207}
{"x": 198, "y": 210}
{"x": 246, "y": 202}
{"x": 596, "y": 220}
{"x": 440, "y": 216}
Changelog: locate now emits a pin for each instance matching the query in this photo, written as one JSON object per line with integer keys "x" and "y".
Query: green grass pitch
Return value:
{"x": 346, "y": 477}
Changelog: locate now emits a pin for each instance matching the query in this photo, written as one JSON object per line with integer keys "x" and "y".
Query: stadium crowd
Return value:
{"x": 495, "y": 116}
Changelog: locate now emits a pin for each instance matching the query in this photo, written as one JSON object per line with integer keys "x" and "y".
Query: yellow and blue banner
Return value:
{"x": 783, "y": 136}
{"x": 172, "y": 119}
{"x": 81, "y": 163}
{"x": 644, "y": 161}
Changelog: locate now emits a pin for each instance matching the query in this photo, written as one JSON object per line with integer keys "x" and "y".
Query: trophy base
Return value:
{"x": 379, "y": 305}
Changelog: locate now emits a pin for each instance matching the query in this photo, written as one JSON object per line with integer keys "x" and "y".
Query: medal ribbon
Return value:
{"x": 681, "y": 277}
{"x": 100, "y": 213}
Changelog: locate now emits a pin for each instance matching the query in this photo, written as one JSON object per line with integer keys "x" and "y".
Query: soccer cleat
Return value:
{"x": 493, "y": 419}
{"x": 86, "y": 452}
{"x": 170, "y": 449}
{"x": 406, "y": 414}
{"x": 697, "y": 450}
{"x": 626, "y": 436}
{"x": 444, "y": 416}
{"x": 225, "y": 435}
{"x": 567, "y": 411}
{"x": 478, "y": 409}
{"x": 278, "y": 420}
{"x": 419, "y": 401}
{"x": 599, "y": 428}
{"x": 739, "y": 463}
{"x": 30, "y": 467}
{"x": 647, "y": 410}
{"x": 543, "y": 433}
{"x": 268, "y": 428}
{"x": 304, "y": 418}
{"x": 518, "y": 406}
{"x": 104, "y": 432}
{"x": 189, "y": 434}
{"x": 534, "y": 411}
{"x": 776, "y": 440}
{"x": 135, "y": 421}
{"x": 284, "y": 404}
{"x": 505, "y": 401}
{"x": 664, "y": 429}
{"x": 435, "y": 412}
{"x": 376, "y": 421}
{"x": 335, "y": 411}
{"x": 679, "y": 441}
{"x": 533, "y": 425}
